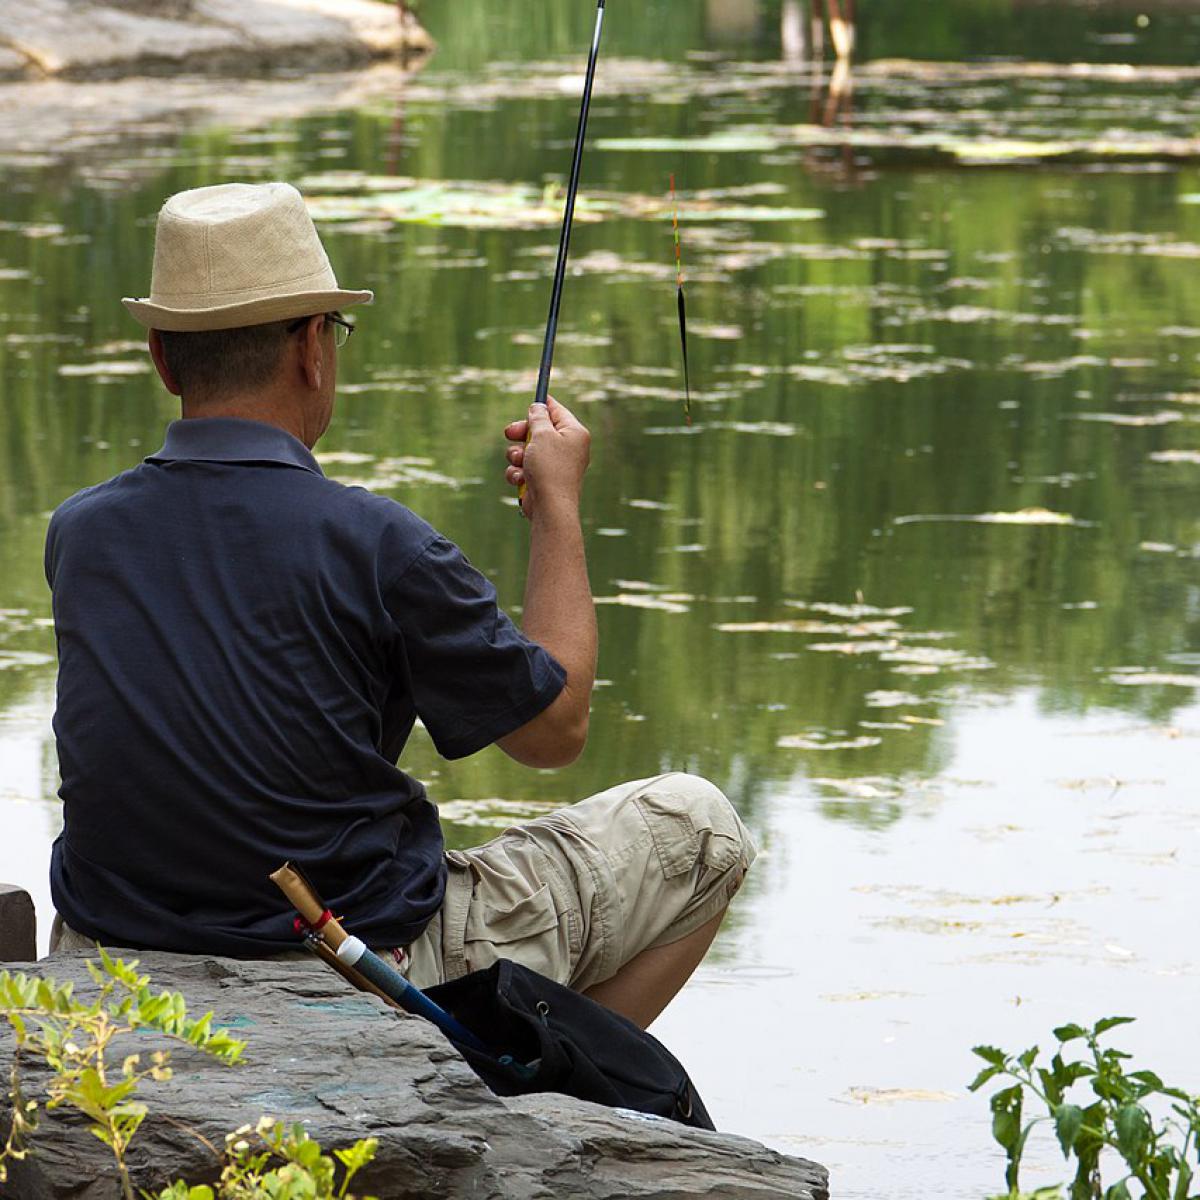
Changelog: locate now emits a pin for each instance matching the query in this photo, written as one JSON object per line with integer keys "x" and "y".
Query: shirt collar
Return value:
{"x": 233, "y": 440}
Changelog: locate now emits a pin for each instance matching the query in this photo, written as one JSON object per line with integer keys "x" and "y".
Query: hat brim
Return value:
{"x": 237, "y": 316}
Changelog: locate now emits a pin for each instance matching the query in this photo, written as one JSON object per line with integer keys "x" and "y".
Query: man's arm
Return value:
{"x": 559, "y": 614}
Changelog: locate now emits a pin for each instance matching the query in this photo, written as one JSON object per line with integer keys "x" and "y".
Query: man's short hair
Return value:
{"x": 220, "y": 362}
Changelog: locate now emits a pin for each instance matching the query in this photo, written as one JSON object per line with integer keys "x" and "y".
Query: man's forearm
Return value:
{"x": 559, "y": 613}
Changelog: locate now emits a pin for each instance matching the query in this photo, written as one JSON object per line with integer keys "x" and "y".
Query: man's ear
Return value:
{"x": 312, "y": 352}
{"x": 160, "y": 364}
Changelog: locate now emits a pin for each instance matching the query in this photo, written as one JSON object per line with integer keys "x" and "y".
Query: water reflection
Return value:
{"x": 924, "y": 345}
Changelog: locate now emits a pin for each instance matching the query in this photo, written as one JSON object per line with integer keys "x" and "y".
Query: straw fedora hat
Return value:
{"x": 238, "y": 254}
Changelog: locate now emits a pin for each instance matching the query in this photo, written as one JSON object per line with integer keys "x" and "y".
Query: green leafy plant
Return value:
{"x": 271, "y": 1161}
{"x": 74, "y": 1037}
{"x": 1151, "y": 1130}
{"x": 275, "y": 1161}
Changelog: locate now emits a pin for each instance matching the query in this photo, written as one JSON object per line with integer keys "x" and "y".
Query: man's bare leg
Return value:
{"x": 645, "y": 985}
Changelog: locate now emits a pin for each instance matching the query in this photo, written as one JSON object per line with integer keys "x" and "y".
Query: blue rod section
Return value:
{"x": 388, "y": 980}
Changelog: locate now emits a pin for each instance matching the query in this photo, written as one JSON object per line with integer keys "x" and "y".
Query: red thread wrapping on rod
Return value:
{"x": 301, "y": 925}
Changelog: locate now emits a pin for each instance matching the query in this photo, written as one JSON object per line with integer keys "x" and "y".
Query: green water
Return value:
{"x": 797, "y": 596}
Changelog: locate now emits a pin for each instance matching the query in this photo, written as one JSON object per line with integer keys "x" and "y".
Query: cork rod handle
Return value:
{"x": 308, "y": 904}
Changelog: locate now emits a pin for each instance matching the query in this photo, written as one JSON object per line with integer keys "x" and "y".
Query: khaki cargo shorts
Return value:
{"x": 578, "y": 893}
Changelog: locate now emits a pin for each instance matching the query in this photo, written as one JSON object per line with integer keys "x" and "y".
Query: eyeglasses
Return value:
{"x": 342, "y": 329}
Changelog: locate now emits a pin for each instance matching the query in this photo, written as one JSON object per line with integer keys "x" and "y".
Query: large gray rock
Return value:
{"x": 18, "y": 924}
{"x": 107, "y": 38}
{"x": 348, "y": 1067}
{"x": 116, "y": 130}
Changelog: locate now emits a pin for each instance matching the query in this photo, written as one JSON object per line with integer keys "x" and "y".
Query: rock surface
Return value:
{"x": 114, "y": 130}
{"x": 81, "y": 39}
{"x": 18, "y": 924}
{"x": 348, "y": 1067}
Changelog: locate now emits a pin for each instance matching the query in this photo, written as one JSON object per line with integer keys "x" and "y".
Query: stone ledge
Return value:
{"x": 90, "y": 39}
{"x": 112, "y": 128}
{"x": 348, "y": 1067}
{"x": 18, "y": 924}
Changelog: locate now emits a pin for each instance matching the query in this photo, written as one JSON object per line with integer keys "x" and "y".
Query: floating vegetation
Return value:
{"x": 367, "y": 200}
{"x": 106, "y": 370}
{"x": 18, "y": 659}
{"x": 854, "y": 648}
{"x": 1138, "y": 678}
{"x": 390, "y": 473}
{"x": 730, "y": 141}
{"x": 864, "y": 787}
{"x": 1024, "y": 516}
{"x": 677, "y": 603}
{"x": 886, "y": 699}
{"x": 491, "y": 811}
{"x": 339, "y": 457}
{"x": 963, "y": 146}
{"x": 780, "y": 429}
{"x": 860, "y": 997}
{"x": 1165, "y": 417}
{"x": 852, "y": 611}
{"x": 930, "y": 659}
{"x": 820, "y": 741}
{"x": 873, "y": 1095}
{"x": 866, "y": 629}
{"x": 465, "y": 204}
{"x": 1154, "y": 245}
{"x": 715, "y": 331}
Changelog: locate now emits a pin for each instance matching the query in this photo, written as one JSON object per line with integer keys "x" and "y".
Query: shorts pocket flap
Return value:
{"x": 674, "y": 835}
{"x": 531, "y": 915}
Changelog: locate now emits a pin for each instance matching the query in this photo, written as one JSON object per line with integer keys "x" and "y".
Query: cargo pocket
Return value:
{"x": 691, "y": 826}
{"x": 530, "y": 931}
{"x": 529, "y": 916}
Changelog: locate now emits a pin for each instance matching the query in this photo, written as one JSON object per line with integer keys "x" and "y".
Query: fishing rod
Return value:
{"x": 564, "y": 241}
{"x": 352, "y": 959}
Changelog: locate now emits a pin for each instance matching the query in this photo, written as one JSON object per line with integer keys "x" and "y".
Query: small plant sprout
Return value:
{"x": 1130, "y": 1123}
{"x": 269, "y": 1161}
{"x": 74, "y": 1038}
{"x": 275, "y": 1161}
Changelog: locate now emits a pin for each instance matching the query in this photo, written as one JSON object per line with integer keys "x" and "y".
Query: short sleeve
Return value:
{"x": 474, "y": 676}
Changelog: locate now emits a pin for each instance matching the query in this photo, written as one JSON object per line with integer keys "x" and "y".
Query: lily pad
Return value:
{"x": 465, "y": 205}
{"x": 1024, "y": 516}
{"x": 111, "y": 369}
{"x": 816, "y": 741}
{"x": 363, "y": 201}
{"x": 732, "y": 141}
{"x": 1154, "y": 679}
{"x": 642, "y": 600}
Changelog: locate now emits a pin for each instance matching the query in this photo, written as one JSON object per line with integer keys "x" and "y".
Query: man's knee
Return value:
{"x": 696, "y": 828}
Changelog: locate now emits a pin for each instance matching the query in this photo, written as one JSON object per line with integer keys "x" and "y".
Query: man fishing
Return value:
{"x": 245, "y": 646}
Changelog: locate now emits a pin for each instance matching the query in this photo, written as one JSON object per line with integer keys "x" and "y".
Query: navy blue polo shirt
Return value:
{"x": 244, "y": 647}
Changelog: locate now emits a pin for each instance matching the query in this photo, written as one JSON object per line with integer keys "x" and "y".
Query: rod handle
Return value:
{"x": 291, "y": 882}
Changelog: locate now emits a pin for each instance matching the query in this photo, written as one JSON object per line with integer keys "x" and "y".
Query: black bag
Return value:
{"x": 547, "y": 1038}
